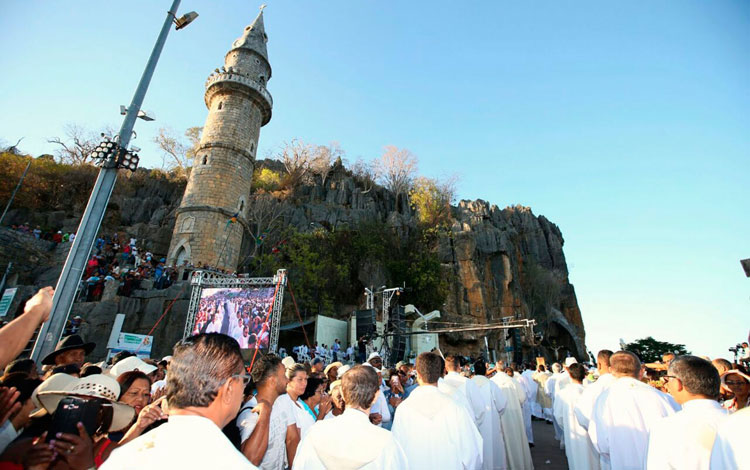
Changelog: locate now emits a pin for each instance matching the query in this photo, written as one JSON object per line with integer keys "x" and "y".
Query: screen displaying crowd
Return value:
{"x": 242, "y": 313}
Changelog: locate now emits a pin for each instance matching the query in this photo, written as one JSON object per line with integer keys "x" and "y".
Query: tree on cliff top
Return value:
{"x": 651, "y": 350}
{"x": 177, "y": 154}
{"x": 397, "y": 169}
{"x": 432, "y": 199}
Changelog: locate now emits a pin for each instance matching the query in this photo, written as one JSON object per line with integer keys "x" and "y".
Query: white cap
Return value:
{"x": 569, "y": 361}
{"x": 129, "y": 364}
{"x": 373, "y": 354}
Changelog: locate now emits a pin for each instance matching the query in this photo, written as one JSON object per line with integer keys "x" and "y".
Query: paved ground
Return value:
{"x": 547, "y": 454}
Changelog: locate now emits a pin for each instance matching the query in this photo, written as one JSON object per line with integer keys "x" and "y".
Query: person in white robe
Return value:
{"x": 550, "y": 389}
{"x": 467, "y": 387}
{"x": 578, "y": 448}
{"x": 434, "y": 431}
{"x": 528, "y": 375}
{"x": 511, "y": 422}
{"x": 684, "y": 439}
{"x": 493, "y": 406}
{"x": 457, "y": 394}
{"x": 585, "y": 404}
{"x": 380, "y": 407}
{"x": 526, "y": 405}
{"x": 545, "y": 402}
{"x": 730, "y": 446}
{"x": 624, "y": 414}
{"x": 358, "y": 444}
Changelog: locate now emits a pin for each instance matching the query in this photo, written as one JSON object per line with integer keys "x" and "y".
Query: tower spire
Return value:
{"x": 254, "y": 37}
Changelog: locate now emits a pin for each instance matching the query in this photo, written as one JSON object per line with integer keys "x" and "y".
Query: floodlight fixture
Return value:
{"x": 128, "y": 160}
{"x": 185, "y": 20}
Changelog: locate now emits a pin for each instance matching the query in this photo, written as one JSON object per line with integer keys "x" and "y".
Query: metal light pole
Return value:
{"x": 67, "y": 285}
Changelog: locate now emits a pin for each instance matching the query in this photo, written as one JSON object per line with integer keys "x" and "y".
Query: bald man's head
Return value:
{"x": 625, "y": 364}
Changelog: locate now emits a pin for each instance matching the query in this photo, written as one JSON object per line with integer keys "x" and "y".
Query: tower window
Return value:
{"x": 257, "y": 61}
{"x": 205, "y": 159}
{"x": 221, "y": 104}
{"x": 252, "y": 147}
{"x": 242, "y": 206}
{"x": 262, "y": 80}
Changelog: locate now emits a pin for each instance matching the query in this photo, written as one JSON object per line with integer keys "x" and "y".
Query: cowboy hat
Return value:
{"x": 97, "y": 386}
{"x": 129, "y": 364}
{"x": 68, "y": 344}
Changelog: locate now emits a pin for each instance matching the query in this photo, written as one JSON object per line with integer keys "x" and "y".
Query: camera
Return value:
{"x": 736, "y": 348}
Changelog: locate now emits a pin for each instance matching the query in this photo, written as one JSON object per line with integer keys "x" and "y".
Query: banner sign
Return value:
{"x": 6, "y": 300}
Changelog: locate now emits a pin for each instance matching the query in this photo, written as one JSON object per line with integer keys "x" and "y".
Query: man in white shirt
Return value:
{"x": 205, "y": 389}
{"x": 684, "y": 440}
{"x": 624, "y": 414}
{"x": 730, "y": 446}
{"x": 264, "y": 429}
{"x": 358, "y": 444}
{"x": 578, "y": 448}
{"x": 434, "y": 431}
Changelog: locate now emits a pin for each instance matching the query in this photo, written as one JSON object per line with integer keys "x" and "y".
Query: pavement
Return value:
{"x": 546, "y": 453}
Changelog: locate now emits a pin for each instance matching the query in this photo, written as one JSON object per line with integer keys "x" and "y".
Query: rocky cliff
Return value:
{"x": 499, "y": 262}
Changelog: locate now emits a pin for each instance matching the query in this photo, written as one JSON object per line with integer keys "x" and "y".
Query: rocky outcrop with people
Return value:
{"x": 498, "y": 263}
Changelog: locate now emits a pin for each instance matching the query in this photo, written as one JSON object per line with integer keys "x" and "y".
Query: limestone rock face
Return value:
{"x": 499, "y": 262}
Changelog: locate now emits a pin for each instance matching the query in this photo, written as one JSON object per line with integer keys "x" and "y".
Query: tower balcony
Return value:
{"x": 223, "y": 81}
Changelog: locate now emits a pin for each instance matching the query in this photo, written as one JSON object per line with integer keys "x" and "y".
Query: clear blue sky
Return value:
{"x": 625, "y": 123}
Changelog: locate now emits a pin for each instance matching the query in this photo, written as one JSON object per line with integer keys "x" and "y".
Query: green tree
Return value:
{"x": 651, "y": 350}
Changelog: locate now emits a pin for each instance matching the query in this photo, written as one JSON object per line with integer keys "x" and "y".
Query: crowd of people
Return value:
{"x": 204, "y": 407}
{"x": 244, "y": 314}
{"x": 55, "y": 236}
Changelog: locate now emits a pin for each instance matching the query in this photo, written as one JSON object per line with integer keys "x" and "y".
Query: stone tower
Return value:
{"x": 217, "y": 191}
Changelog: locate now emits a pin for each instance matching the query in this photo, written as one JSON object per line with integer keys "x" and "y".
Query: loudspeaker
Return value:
{"x": 365, "y": 323}
{"x": 397, "y": 326}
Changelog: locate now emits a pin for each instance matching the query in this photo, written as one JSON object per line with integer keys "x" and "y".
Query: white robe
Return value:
{"x": 470, "y": 391}
{"x": 458, "y": 394}
{"x": 622, "y": 418}
{"x": 684, "y": 440}
{"x": 511, "y": 422}
{"x": 585, "y": 404}
{"x": 493, "y": 406}
{"x": 536, "y": 409}
{"x": 578, "y": 448}
{"x": 435, "y": 432}
{"x": 183, "y": 442}
{"x": 526, "y": 405}
{"x": 730, "y": 447}
{"x": 381, "y": 406}
{"x": 551, "y": 387}
{"x": 358, "y": 445}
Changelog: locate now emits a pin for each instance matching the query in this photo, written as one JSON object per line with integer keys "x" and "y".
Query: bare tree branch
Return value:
{"x": 77, "y": 147}
{"x": 176, "y": 154}
{"x": 265, "y": 214}
{"x": 366, "y": 173}
{"x": 397, "y": 169}
{"x": 297, "y": 157}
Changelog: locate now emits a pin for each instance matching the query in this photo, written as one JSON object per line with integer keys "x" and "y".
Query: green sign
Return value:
{"x": 6, "y": 300}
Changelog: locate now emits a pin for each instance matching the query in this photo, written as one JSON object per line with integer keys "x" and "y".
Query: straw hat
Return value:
{"x": 97, "y": 386}
{"x": 130, "y": 364}
{"x": 733, "y": 371}
{"x": 288, "y": 362}
{"x": 53, "y": 382}
{"x": 342, "y": 370}
{"x": 330, "y": 366}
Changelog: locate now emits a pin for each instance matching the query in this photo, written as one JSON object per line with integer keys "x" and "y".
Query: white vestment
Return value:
{"x": 470, "y": 391}
{"x": 536, "y": 409}
{"x": 458, "y": 393}
{"x": 493, "y": 405}
{"x": 184, "y": 442}
{"x": 684, "y": 439}
{"x": 435, "y": 432}
{"x": 730, "y": 447}
{"x": 526, "y": 405}
{"x": 585, "y": 404}
{"x": 578, "y": 448}
{"x": 511, "y": 422}
{"x": 349, "y": 442}
{"x": 551, "y": 387}
{"x": 622, "y": 418}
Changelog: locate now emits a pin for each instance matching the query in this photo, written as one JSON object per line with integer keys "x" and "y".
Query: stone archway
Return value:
{"x": 182, "y": 254}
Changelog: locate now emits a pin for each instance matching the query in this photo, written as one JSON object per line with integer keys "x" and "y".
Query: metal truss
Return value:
{"x": 210, "y": 280}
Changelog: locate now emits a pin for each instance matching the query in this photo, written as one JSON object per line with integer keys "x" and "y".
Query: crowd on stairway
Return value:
{"x": 320, "y": 408}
